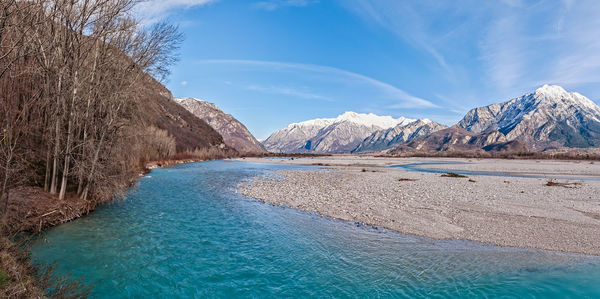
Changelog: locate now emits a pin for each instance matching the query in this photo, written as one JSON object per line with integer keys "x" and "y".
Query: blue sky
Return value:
{"x": 273, "y": 62}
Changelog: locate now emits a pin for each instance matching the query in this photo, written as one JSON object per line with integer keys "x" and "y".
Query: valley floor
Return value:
{"x": 507, "y": 211}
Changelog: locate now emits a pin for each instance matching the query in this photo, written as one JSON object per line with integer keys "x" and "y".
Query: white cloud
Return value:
{"x": 404, "y": 20}
{"x": 288, "y": 91}
{"x": 152, "y": 11}
{"x": 506, "y": 46}
{"x": 402, "y": 98}
{"x": 271, "y": 5}
{"x": 504, "y": 52}
{"x": 513, "y": 3}
{"x": 577, "y": 45}
{"x": 549, "y": 42}
{"x": 184, "y": 83}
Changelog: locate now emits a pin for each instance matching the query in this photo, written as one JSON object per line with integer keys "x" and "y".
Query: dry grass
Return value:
{"x": 30, "y": 209}
{"x": 287, "y": 155}
{"x": 406, "y": 180}
{"x": 582, "y": 155}
{"x": 321, "y": 164}
{"x": 19, "y": 279}
{"x": 453, "y": 175}
{"x": 16, "y": 274}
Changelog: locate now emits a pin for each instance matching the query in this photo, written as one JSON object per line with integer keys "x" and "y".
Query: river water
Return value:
{"x": 439, "y": 167}
{"x": 183, "y": 232}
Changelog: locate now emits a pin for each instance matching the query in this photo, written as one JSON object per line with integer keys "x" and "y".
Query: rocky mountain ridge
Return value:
{"x": 385, "y": 139}
{"x": 456, "y": 139}
{"x": 330, "y": 135}
{"x": 234, "y": 133}
{"x": 546, "y": 119}
{"x": 550, "y": 117}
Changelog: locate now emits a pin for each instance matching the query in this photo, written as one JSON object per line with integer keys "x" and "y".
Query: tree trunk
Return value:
{"x": 93, "y": 168}
{"x": 87, "y": 115}
{"x": 65, "y": 174}
{"x": 47, "y": 174}
{"x": 4, "y": 195}
{"x": 54, "y": 181}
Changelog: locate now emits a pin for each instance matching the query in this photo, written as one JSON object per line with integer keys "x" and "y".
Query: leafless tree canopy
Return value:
{"x": 71, "y": 80}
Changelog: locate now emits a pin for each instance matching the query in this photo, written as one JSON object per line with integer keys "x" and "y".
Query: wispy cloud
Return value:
{"x": 508, "y": 45}
{"x": 406, "y": 21}
{"x": 504, "y": 52}
{"x": 402, "y": 98}
{"x": 271, "y": 5}
{"x": 577, "y": 43}
{"x": 547, "y": 42}
{"x": 513, "y": 3}
{"x": 288, "y": 91}
{"x": 152, "y": 11}
{"x": 184, "y": 83}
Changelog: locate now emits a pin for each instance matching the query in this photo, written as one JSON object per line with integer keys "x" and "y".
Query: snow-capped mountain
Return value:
{"x": 234, "y": 133}
{"x": 549, "y": 117}
{"x": 330, "y": 135}
{"x": 388, "y": 138}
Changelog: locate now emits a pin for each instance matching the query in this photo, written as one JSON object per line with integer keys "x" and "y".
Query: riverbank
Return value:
{"x": 31, "y": 210}
{"x": 506, "y": 211}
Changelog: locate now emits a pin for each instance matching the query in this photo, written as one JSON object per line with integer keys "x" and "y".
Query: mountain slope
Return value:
{"x": 190, "y": 132}
{"x": 549, "y": 117}
{"x": 330, "y": 135}
{"x": 234, "y": 133}
{"x": 456, "y": 139}
{"x": 384, "y": 139}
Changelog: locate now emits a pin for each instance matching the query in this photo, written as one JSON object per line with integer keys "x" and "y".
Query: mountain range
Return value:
{"x": 402, "y": 133}
{"x": 330, "y": 135}
{"x": 456, "y": 139}
{"x": 234, "y": 133}
{"x": 548, "y": 118}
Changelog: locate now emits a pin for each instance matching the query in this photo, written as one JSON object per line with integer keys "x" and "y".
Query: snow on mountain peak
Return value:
{"x": 183, "y": 100}
{"x": 365, "y": 119}
{"x": 371, "y": 119}
{"x": 319, "y": 122}
{"x": 553, "y": 91}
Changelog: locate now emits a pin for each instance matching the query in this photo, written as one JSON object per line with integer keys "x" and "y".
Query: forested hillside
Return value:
{"x": 81, "y": 112}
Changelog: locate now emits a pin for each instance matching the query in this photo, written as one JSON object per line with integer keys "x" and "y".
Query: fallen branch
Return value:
{"x": 552, "y": 183}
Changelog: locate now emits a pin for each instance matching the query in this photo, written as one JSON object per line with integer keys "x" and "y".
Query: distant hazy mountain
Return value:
{"x": 330, "y": 135}
{"x": 388, "y": 138}
{"x": 550, "y": 117}
{"x": 234, "y": 133}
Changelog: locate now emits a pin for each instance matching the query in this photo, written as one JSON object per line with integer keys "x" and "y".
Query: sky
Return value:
{"x": 273, "y": 62}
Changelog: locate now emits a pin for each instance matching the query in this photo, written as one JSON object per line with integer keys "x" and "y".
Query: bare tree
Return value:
{"x": 72, "y": 77}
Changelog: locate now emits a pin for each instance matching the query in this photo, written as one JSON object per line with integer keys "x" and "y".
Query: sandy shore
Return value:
{"x": 507, "y": 211}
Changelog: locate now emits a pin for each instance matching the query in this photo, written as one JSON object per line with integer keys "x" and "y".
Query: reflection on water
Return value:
{"x": 184, "y": 232}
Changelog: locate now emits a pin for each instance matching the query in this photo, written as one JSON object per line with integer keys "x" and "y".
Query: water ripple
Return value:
{"x": 183, "y": 233}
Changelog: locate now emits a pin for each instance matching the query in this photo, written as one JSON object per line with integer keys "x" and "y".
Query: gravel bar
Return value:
{"x": 506, "y": 211}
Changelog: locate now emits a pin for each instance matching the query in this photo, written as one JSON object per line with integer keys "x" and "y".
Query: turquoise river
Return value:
{"x": 184, "y": 232}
